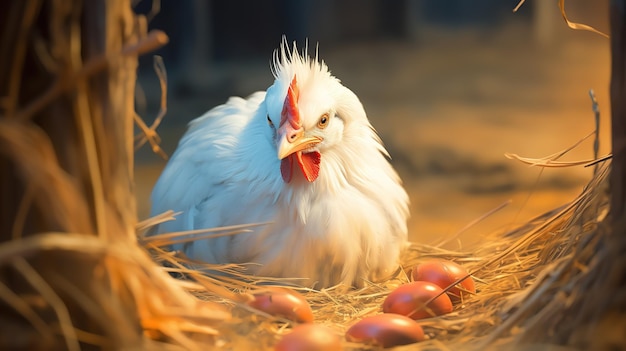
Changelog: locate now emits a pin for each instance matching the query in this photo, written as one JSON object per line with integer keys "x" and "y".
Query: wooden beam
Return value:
{"x": 618, "y": 110}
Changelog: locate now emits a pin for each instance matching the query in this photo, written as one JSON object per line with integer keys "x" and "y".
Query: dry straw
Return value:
{"x": 77, "y": 273}
{"x": 526, "y": 278}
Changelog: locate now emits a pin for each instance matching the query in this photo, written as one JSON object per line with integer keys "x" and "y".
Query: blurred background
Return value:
{"x": 450, "y": 86}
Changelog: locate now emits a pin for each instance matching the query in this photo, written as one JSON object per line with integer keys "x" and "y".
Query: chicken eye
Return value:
{"x": 323, "y": 122}
{"x": 269, "y": 121}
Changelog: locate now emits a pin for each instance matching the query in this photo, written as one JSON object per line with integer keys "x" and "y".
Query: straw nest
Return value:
{"x": 528, "y": 280}
{"x": 77, "y": 273}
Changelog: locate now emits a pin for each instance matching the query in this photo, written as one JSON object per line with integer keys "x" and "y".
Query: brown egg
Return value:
{"x": 410, "y": 300}
{"x": 385, "y": 330}
{"x": 310, "y": 337}
{"x": 283, "y": 302}
{"x": 445, "y": 273}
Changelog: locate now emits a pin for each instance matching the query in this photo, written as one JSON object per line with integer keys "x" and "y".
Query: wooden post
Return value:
{"x": 618, "y": 111}
{"x": 67, "y": 83}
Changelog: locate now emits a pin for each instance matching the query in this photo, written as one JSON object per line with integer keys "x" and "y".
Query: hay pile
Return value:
{"x": 526, "y": 279}
{"x": 71, "y": 273}
{"x": 74, "y": 276}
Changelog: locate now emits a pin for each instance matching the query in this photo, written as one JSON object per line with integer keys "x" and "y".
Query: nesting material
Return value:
{"x": 525, "y": 279}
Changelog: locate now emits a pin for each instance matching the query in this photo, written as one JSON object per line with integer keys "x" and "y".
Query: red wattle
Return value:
{"x": 309, "y": 164}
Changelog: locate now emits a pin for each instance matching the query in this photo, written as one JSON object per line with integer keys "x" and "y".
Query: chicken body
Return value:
{"x": 302, "y": 157}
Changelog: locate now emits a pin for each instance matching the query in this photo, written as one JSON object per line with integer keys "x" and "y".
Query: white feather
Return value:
{"x": 347, "y": 226}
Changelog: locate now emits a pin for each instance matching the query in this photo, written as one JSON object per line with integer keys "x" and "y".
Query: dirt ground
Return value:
{"x": 448, "y": 108}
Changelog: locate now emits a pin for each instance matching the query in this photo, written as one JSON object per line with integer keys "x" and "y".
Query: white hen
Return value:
{"x": 302, "y": 156}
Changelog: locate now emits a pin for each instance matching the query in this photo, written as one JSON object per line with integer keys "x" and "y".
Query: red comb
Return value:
{"x": 290, "y": 107}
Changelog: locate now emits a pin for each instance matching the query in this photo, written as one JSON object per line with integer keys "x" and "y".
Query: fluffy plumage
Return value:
{"x": 346, "y": 225}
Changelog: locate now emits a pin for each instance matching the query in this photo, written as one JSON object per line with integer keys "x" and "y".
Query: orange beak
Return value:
{"x": 291, "y": 137}
{"x": 291, "y": 140}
